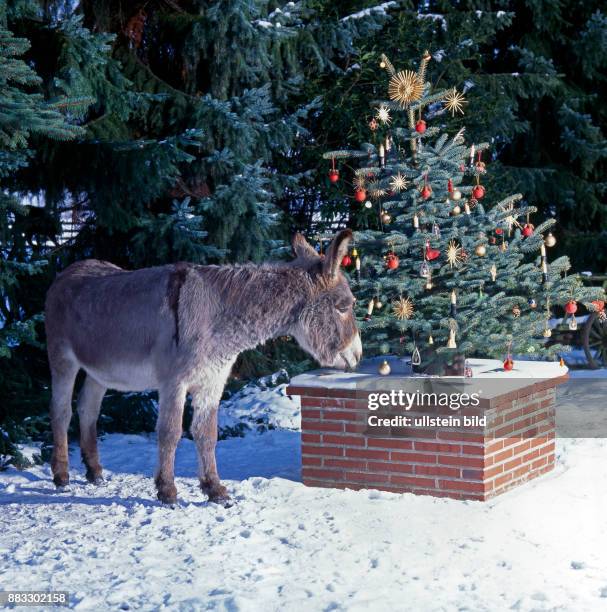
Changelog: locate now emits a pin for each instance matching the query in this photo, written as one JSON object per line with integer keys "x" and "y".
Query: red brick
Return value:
{"x": 437, "y": 470}
{"x": 462, "y": 485}
{"x": 351, "y": 464}
{"x": 509, "y": 465}
{"x": 310, "y": 437}
{"x": 477, "y": 462}
{"x": 473, "y": 474}
{"x": 397, "y": 443}
{"x": 310, "y": 401}
{"x": 342, "y": 415}
{"x": 500, "y": 480}
{"x": 434, "y": 447}
{"x": 368, "y": 453}
{"x": 366, "y": 477}
{"x": 308, "y": 425}
{"x": 346, "y": 393}
{"x": 311, "y": 460}
{"x": 469, "y": 449}
{"x": 356, "y": 427}
{"x": 494, "y": 446}
{"x": 461, "y": 436}
{"x": 505, "y": 454}
{"x": 309, "y": 449}
{"x": 310, "y": 413}
{"x": 391, "y": 467}
{"x": 413, "y": 457}
{"x": 413, "y": 481}
{"x": 343, "y": 440}
{"x": 493, "y": 471}
{"x": 311, "y": 472}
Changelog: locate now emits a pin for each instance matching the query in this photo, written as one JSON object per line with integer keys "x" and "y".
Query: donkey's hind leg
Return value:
{"x": 204, "y": 432}
{"x": 63, "y": 375}
{"x": 89, "y": 405}
{"x": 170, "y": 428}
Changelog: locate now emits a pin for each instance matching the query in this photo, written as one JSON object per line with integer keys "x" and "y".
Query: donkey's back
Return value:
{"x": 109, "y": 321}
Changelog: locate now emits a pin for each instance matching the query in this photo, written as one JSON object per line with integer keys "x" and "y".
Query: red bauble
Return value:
{"x": 431, "y": 254}
{"x": 420, "y": 126}
{"x": 450, "y": 186}
{"x": 528, "y": 230}
{"x": 360, "y": 195}
{"x": 426, "y": 191}
{"x": 333, "y": 175}
{"x": 392, "y": 262}
{"x": 599, "y": 305}
{"x": 499, "y": 231}
{"x": 346, "y": 261}
{"x": 508, "y": 364}
{"x": 492, "y": 240}
{"x": 571, "y": 307}
{"x": 478, "y": 192}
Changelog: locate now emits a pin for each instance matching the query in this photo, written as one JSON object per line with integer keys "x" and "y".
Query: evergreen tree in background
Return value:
{"x": 450, "y": 270}
{"x": 23, "y": 114}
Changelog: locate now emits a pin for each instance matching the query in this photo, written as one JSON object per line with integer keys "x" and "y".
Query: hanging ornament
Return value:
{"x": 478, "y": 192}
{"x": 508, "y": 364}
{"x": 424, "y": 270}
{"x": 373, "y": 125}
{"x": 416, "y": 358}
{"x": 384, "y": 368}
{"x": 562, "y": 362}
{"x": 354, "y": 252}
{"x": 383, "y": 115}
{"x": 499, "y": 231}
{"x": 426, "y": 191}
{"x": 429, "y": 284}
{"x": 493, "y": 272}
{"x": 346, "y": 261}
{"x": 516, "y": 311}
{"x": 368, "y": 204}
{"x": 453, "y": 304}
{"x": 450, "y": 187}
{"x": 360, "y": 195}
{"x": 415, "y": 222}
{"x": 357, "y": 267}
{"x": 402, "y": 308}
{"x": 454, "y": 102}
{"x": 398, "y": 182}
{"x": 456, "y": 195}
{"x": 527, "y": 230}
{"x": 467, "y": 207}
{"x": 420, "y": 126}
{"x": 405, "y": 87}
{"x": 481, "y": 250}
{"x": 370, "y": 307}
{"x": 573, "y": 323}
{"x": 385, "y": 218}
{"x": 467, "y": 369}
{"x": 571, "y": 307}
{"x": 377, "y": 303}
{"x": 455, "y": 254}
{"x": 436, "y": 230}
{"x": 504, "y": 245}
{"x": 456, "y": 210}
{"x": 532, "y": 303}
{"x": 430, "y": 340}
{"x": 431, "y": 254}
{"x": 547, "y": 331}
{"x": 451, "y": 342}
{"x": 333, "y": 175}
{"x": 550, "y": 240}
{"x": 391, "y": 261}
{"x": 388, "y": 143}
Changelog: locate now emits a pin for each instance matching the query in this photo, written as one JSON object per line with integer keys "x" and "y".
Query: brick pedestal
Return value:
{"x": 340, "y": 448}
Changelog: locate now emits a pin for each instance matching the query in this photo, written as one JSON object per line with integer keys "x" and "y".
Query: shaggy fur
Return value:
{"x": 179, "y": 329}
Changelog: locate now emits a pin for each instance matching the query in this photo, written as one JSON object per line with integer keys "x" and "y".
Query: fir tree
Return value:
{"x": 449, "y": 271}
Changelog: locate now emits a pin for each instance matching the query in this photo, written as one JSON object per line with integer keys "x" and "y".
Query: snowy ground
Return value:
{"x": 284, "y": 546}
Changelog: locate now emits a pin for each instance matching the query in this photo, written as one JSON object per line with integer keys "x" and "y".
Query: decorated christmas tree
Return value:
{"x": 439, "y": 269}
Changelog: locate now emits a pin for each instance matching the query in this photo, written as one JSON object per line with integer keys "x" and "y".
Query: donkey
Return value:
{"x": 178, "y": 329}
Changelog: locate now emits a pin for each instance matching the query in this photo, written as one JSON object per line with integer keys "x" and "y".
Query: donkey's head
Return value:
{"x": 325, "y": 326}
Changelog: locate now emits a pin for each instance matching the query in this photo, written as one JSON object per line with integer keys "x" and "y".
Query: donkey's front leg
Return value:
{"x": 204, "y": 432}
{"x": 169, "y": 427}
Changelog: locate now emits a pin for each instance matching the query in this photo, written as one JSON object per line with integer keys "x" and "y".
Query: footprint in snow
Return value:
{"x": 603, "y": 592}
{"x": 245, "y": 533}
{"x": 578, "y": 565}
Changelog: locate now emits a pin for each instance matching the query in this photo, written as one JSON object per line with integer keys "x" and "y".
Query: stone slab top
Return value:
{"x": 488, "y": 378}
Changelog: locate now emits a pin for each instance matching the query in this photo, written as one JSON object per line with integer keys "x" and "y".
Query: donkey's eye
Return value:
{"x": 344, "y": 308}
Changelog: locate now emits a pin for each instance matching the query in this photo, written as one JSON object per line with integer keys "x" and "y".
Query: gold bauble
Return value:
{"x": 481, "y": 250}
{"x": 354, "y": 253}
{"x": 385, "y": 218}
{"x": 550, "y": 240}
{"x": 547, "y": 332}
{"x": 456, "y": 210}
{"x": 430, "y": 340}
{"x": 456, "y": 195}
{"x": 384, "y": 368}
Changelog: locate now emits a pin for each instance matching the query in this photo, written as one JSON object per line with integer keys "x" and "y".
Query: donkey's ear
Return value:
{"x": 335, "y": 253}
{"x": 302, "y": 248}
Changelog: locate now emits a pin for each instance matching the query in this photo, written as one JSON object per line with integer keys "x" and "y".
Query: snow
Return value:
{"x": 284, "y": 546}
{"x": 380, "y": 9}
{"x": 434, "y": 17}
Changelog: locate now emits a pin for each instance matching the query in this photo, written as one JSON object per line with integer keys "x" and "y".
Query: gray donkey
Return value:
{"x": 178, "y": 329}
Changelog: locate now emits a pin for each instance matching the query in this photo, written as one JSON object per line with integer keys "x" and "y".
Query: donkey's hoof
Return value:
{"x": 217, "y": 493}
{"x": 61, "y": 480}
{"x": 167, "y": 494}
{"x": 95, "y": 478}
{"x": 225, "y": 501}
